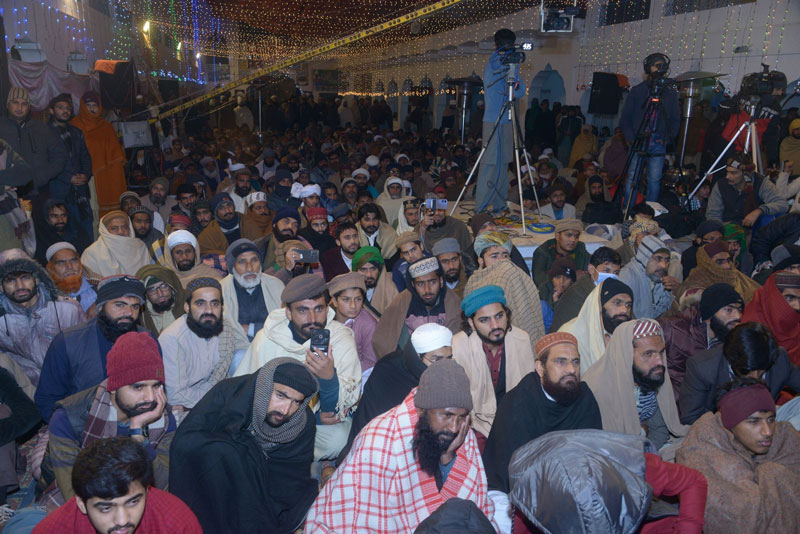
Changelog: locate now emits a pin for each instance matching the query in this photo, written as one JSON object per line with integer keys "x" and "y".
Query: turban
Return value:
{"x": 367, "y": 255}
{"x": 181, "y": 237}
{"x": 431, "y": 336}
{"x": 491, "y": 239}
{"x": 309, "y": 190}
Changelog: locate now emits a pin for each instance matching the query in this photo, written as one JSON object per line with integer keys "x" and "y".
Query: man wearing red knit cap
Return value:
{"x": 749, "y": 459}
{"x": 130, "y": 402}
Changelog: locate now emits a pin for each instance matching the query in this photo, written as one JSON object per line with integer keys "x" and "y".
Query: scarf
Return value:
{"x": 769, "y": 308}
{"x": 707, "y": 273}
{"x": 264, "y": 434}
{"x": 588, "y": 329}
{"x": 255, "y": 226}
{"x": 113, "y": 254}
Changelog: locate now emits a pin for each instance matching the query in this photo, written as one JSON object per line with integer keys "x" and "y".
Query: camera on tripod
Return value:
{"x": 657, "y": 79}
{"x": 515, "y": 54}
{"x": 759, "y": 83}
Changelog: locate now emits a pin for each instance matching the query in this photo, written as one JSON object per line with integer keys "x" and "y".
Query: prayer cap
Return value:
{"x": 255, "y": 196}
{"x": 554, "y": 339}
{"x": 423, "y": 267}
{"x": 56, "y": 247}
{"x": 199, "y": 282}
{"x": 431, "y": 336}
{"x": 646, "y": 328}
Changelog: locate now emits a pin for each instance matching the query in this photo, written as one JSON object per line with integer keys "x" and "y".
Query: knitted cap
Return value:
{"x": 563, "y": 267}
{"x": 237, "y": 248}
{"x": 295, "y": 376}
{"x": 448, "y": 245}
{"x": 444, "y": 384}
{"x": 118, "y": 286}
{"x": 57, "y": 247}
{"x": 717, "y": 296}
{"x": 613, "y": 287}
{"x": 202, "y": 281}
{"x": 481, "y": 297}
{"x": 18, "y": 93}
{"x": 649, "y": 246}
{"x": 133, "y": 358}
{"x": 303, "y": 287}
{"x": 140, "y": 209}
{"x": 423, "y": 267}
{"x": 568, "y": 224}
{"x": 554, "y": 339}
{"x": 285, "y": 213}
{"x": 367, "y": 255}
{"x": 706, "y": 227}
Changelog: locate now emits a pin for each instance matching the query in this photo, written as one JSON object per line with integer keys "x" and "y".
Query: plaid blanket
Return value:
{"x": 380, "y": 487}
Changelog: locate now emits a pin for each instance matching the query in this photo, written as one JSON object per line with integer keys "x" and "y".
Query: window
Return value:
{"x": 676, "y": 7}
{"x": 619, "y": 11}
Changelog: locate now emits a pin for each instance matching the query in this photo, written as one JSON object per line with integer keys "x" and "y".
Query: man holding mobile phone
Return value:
{"x": 288, "y": 331}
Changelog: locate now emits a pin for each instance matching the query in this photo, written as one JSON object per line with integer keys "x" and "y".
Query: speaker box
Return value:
{"x": 605, "y": 96}
{"x": 118, "y": 90}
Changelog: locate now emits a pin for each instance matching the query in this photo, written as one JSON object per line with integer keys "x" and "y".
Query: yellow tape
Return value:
{"x": 422, "y": 12}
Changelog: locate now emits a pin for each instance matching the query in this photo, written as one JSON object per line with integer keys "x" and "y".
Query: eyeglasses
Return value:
{"x": 159, "y": 288}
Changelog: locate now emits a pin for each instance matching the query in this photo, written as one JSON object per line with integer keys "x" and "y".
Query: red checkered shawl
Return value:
{"x": 380, "y": 488}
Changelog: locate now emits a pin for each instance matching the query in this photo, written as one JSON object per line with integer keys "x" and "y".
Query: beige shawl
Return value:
{"x": 384, "y": 241}
{"x": 113, "y": 254}
{"x": 271, "y": 288}
{"x": 588, "y": 329}
{"x": 468, "y": 352}
{"x": 385, "y": 292}
{"x": 611, "y": 381}
{"x": 199, "y": 270}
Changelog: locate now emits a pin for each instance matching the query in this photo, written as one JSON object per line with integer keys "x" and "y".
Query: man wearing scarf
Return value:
{"x": 117, "y": 249}
{"x": 248, "y": 293}
{"x": 595, "y": 205}
{"x": 608, "y": 305}
{"x": 142, "y": 223}
{"x": 176, "y": 221}
{"x": 317, "y": 232}
{"x": 372, "y": 232}
{"x": 714, "y": 265}
{"x": 242, "y": 457}
{"x": 158, "y": 200}
{"x": 223, "y": 230}
{"x": 108, "y": 158}
{"x": 257, "y": 218}
{"x": 164, "y": 297}
{"x": 54, "y": 223}
{"x": 281, "y": 195}
{"x": 777, "y": 306}
{"x": 130, "y": 402}
{"x": 647, "y": 277}
{"x": 381, "y": 291}
{"x": 416, "y": 456}
{"x": 76, "y": 358}
{"x": 495, "y": 355}
{"x": 426, "y": 299}
{"x": 184, "y": 258}
{"x": 242, "y": 187}
{"x": 550, "y": 399}
{"x": 392, "y": 198}
{"x": 750, "y": 461}
{"x": 210, "y": 169}
{"x": 64, "y": 267}
{"x": 633, "y": 388}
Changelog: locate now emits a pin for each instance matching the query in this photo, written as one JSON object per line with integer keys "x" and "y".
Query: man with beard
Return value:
{"x": 242, "y": 457}
{"x": 241, "y": 185}
{"x": 184, "y": 258}
{"x": 129, "y": 200}
{"x": 381, "y": 291}
{"x": 52, "y": 224}
{"x": 64, "y": 267}
{"x": 249, "y": 294}
{"x": 117, "y": 250}
{"x": 157, "y": 200}
{"x": 372, "y": 232}
{"x": 143, "y": 227}
{"x": 317, "y": 232}
{"x": 426, "y": 300}
{"x": 647, "y": 277}
{"x": 409, "y": 246}
{"x": 164, "y": 297}
{"x": 558, "y": 208}
{"x": 201, "y": 217}
{"x": 281, "y": 195}
{"x": 494, "y": 355}
{"x": 777, "y": 306}
{"x": 448, "y": 252}
{"x": 186, "y": 196}
{"x": 633, "y": 388}
{"x": 130, "y": 402}
{"x": 287, "y": 332}
{"x": 76, "y": 359}
{"x": 699, "y": 329}
{"x": 551, "y": 398}
{"x": 437, "y": 225}
{"x": 210, "y": 169}
{"x": 223, "y": 230}
{"x": 33, "y": 313}
{"x": 199, "y": 346}
{"x": 285, "y": 226}
{"x": 350, "y": 193}
{"x": 607, "y": 306}
{"x": 407, "y": 462}
{"x": 599, "y": 210}
{"x": 339, "y": 260}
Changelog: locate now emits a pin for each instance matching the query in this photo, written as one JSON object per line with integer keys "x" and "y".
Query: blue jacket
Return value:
{"x": 635, "y": 105}
{"x": 494, "y": 88}
{"x": 76, "y": 360}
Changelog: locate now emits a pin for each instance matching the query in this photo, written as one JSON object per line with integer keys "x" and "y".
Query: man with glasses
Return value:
{"x": 164, "y": 297}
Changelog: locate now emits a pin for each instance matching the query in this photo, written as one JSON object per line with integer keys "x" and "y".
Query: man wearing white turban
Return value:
{"x": 184, "y": 258}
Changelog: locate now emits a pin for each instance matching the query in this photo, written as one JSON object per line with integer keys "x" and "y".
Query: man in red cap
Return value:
{"x": 317, "y": 232}
{"x": 130, "y": 402}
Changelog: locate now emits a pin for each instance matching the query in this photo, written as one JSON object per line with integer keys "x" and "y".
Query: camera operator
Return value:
{"x": 492, "y": 188}
{"x": 663, "y": 127}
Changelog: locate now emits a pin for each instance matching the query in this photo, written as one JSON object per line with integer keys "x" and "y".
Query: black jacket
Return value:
{"x": 219, "y": 470}
{"x": 38, "y": 145}
{"x": 24, "y": 414}
{"x": 781, "y": 231}
{"x": 78, "y": 161}
{"x": 707, "y": 370}
{"x": 634, "y": 108}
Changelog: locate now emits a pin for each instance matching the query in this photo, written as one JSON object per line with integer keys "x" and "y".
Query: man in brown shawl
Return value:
{"x": 714, "y": 265}
{"x": 257, "y": 219}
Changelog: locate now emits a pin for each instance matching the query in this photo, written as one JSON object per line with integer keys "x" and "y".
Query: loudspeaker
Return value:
{"x": 118, "y": 90}
{"x": 605, "y": 96}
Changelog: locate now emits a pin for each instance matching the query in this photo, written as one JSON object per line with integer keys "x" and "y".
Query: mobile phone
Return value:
{"x": 320, "y": 340}
{"x": 435, "y": 203}
{"x": 309, "y": 256}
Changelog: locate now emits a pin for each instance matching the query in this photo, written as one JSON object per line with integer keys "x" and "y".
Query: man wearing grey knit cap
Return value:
{"x": 648, "y": 276}
{"x": 449, "y": 253}
{"x": 422, "y": 452}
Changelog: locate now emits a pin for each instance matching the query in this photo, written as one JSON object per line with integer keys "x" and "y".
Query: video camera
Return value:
{"x": 657, "y": 80}
{"x": 515, "y": 54}
{"x": 762, "y": 83}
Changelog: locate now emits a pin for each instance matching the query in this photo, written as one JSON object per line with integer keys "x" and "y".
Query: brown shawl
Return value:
{"x": 254, "y": 226}
{"x": 708, "y": 273}
{"x": 385, "y": 292}
{"x": 746, "y": 493}
{"x": 212, "y": 240}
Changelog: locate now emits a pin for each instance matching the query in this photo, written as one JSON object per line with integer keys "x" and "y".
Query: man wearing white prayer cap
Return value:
{"x": 242, "y": 187}
{"x": 396, "y": 374}
{"x": 184, "y": 258}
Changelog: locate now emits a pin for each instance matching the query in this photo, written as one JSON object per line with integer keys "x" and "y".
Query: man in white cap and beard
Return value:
{"x": 184, "y": 258}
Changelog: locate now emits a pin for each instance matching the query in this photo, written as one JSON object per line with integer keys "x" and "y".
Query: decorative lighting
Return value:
{"x": 146, "y": 27}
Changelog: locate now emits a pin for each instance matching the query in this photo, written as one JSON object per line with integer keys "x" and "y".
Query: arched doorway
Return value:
{"x": 548, "y": 84}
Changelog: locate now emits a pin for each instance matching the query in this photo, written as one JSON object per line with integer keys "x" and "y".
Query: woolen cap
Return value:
{"x": 303, "y": 287}
{"x": 717, "y": 296}
{"x": 286, "y": 213}
{"x": 481, "y": 297}
{"x": 140, "y": 209}
{"x": 351, "y": 280}
{"x": 554, "y": 339}
{"x": 706, "y": 227}
{"x": 405, "y": 238}
{"x": 134, "y": 357}
{"x": 444, "y": 384}
{"x": 613, "y": 287}
{"x": 57, "y": 247}
{"x": 295, "y": 376}
{"x": 478, "y": 221}
{"x": 238, "y": 247}
{"x": 568, "y": 224}
{"x": 118, "y": 286}
{"x": 563, "y": 267}
{"x": 448, "y": 245}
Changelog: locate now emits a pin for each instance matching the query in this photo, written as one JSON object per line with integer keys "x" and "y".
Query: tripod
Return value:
{"x": 750, "y": 144}
{"x": 508, "y": 107}
{"x": 641, "y": 145}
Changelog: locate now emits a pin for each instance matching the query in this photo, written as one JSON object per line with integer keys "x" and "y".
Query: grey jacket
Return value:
{"x": 38, "y": 145}
{"x": 771, "y": 202}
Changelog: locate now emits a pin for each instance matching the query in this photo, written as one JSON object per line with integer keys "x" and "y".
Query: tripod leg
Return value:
{"x": 712, "y": 167}
{"x": 518, "y": 133}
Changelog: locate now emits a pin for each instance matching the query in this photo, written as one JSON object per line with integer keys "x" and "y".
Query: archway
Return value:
{"x": 548, "y": 84}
